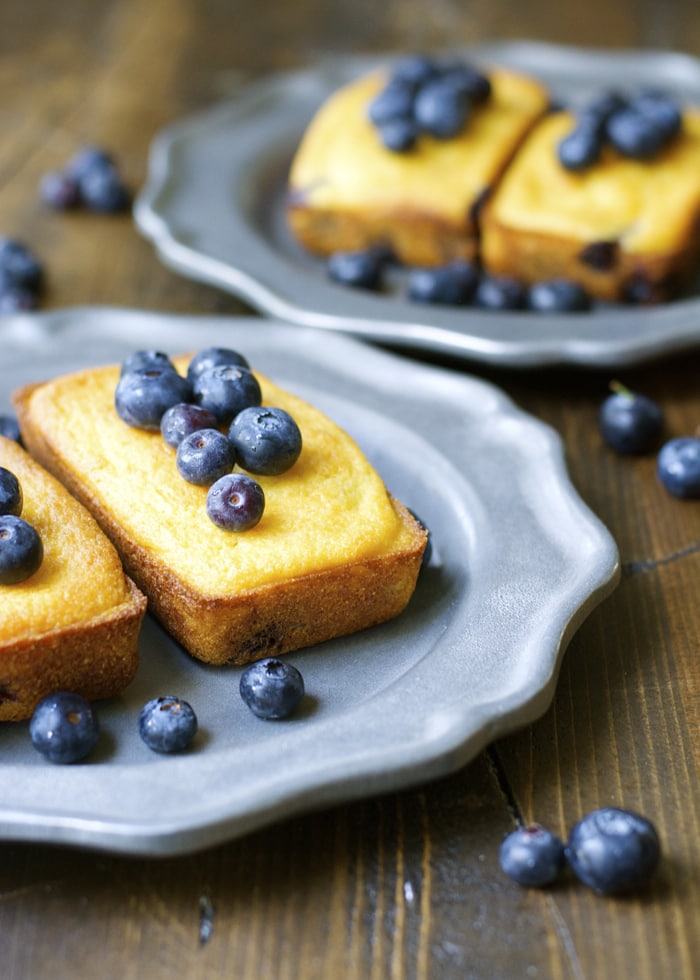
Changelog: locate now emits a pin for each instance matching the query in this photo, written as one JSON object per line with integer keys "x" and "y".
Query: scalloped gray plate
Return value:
{"x": 518, "y": 563}
{"x": 213, "y": 206}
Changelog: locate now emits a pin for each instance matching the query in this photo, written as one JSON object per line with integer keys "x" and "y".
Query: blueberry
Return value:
{"x": 9, "y": 428}
{"x": 678, "y": 466}
{"x": 558, "y": 296}
{"x": 21, "y": 550}
{"x": 413, "y": 69}
{"x": 102, "y": 189}
{"x": 441, "y": 108}
{"x": 601, "y": 108}
{"x": 225, "y": 390}
{"x": 634, "y": 135}
{"x": 472, "y": 83}
{"x": 660, "y": 109}
{"x": 581, "y": 148}
{"x": 204, "y": 456}
{"x": 532, "y": 856}
{"x": 452, "y": 284}
{"x": 143, "y": 395}
{"x": 398, "y": 135}
{"x": 267, "y": 440}
{"x": 64, "y": 727}
{"x": 140, "y": 359}
{"x": 393, "y": 101}
{"x": 167, "y": 724}
{"x": 59, "y": 191}
{"x": 361, "y": 269}
{"x": 630, "y": 422}
{"x": 87, "y": 159}
{"x": 613, "y": 850}
{"x": 272, "y": 688}
{"x": 16, "y": 299}
{"x": 499, "y": 293}
{"x": 211, "y": 357}
{"x": 10, "y": 493}
{"x": 20, "y": 265}
{"x": 236, "y": 502}
{"x": 182, "y": 420}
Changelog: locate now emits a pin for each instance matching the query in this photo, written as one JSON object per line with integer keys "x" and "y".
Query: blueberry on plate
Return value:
{"x": 10, "y": 493}
{"x": 613, "y": 850}
{"x": 630, "y": 422}
{"x": 678, "y": 466}
{"x": 64, "y": 727}
{"x": 204, "y": 456}
{"x": 362, "y": 269}
{"x": 272, "y": 688}
{"x": 21, "y": 550}
{"x": 236, "y": 502}
{"x": 267, "y": 440}
{"x": 499, "y": 293}
{"x": 143, "y": 395}
{"x": 167, "y": 724}
{"x": 452, "y": 284}
{"x": 211, "y": 357}
{"x": 532, "y": 856}
{"x": 9, "y": 428}
{"x": 225, "y": 390}
{"x": 558, "y": 296}
{"x": 182, "y": 420}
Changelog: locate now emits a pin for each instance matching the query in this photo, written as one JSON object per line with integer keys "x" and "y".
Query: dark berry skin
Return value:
{"x": 630, "y": 422}
{"x": 88, "y": 158}
{"x": 451, "y": 285}
{"x": 613, "y": 850}
{"x": 361, "y": 269}
{"x": 182, "y": 420}
{"x": 558, "y": 296}
{"x": 143, "y": 395}
{"x": 140, "y": 359}
{"x": 394, "y": 101}
{"x": 10, "y": 493}
{"x": 104, "y": 190}
{"x": 236, "y": 502}
{"x": 532, "y": 856}
{"x": 20, "y": 265}
{"x": 678, "y": 467}
{"x": 634, "y": 134}
{"x": 21, "y": 550}
{"x": 272, "y": 688}
{"x": 64, "y": 727}
{"x": 225, "y": 390}
{"x": 414, "y": 69}
{"x": 204, "y": 456}
{"x": 59, "y": 191}
{"x": 499, "y": 293}
{"x": 441, "y": 108}
{"x": 398, "y": 135}
{"x": 167, "y": 724}
{"x": 581, "y": 148}
{"x": 267, "y": 440}
{"x": 9, "y": 428}
{"x": 211, "y": 357}
{"x": 661, "y": 110}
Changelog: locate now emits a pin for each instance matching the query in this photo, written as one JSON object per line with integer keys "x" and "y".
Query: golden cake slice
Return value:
{"x": 624, "y": 229}
{"x": 74, "y": 624}
{"x": 348, "y": 192}
{"x": 333, "y": 553}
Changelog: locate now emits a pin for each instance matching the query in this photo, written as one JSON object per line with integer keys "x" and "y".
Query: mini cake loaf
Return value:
{"x": 347, "y": 191}
{"x": 624, "y": 229}
{"x": 73, "y": 624}
{"x": 332, "y": 554}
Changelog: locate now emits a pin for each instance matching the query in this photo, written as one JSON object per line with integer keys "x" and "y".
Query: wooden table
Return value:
{"x": 404, "y": 885}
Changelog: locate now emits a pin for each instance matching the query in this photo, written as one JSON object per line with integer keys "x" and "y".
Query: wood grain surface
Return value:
{"x": 405, "y": 885}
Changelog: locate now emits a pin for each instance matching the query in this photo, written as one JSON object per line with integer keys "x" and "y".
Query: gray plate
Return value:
{"x": 518, "y": 562}
{"x": 213, "y": 206}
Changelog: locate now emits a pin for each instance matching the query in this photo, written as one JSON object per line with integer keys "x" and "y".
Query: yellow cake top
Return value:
{"x": 648, "y": 206}
{"x": 329, "y": 509}
{"x": 341, "y": 162}
{"x": 80, "y": 577}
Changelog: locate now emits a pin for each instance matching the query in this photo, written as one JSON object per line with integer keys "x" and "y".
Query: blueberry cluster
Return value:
{"x": 91, "y": 180}
{"x": 639, "y": 127}
{"x": 220, "y": 392}
{"x": 459, "y": 283}
{"x": 21, "y": 548}
{"x": 632, "y": 423}
{"x": 424, "y": 96}
{"x": 610, "y": 850}
{"x": 21, "y": 277}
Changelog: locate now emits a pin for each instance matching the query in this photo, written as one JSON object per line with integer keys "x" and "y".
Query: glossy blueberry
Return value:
{"x": 204, "y": 456}
{"x": 634, "y": 135}
{"x": 413, "y": 69}
{"x": 9, "y": 428}
{"x": 581, "y": 148}
{"x": 236, "y": 502}
{"x": 11, "y": 498}
{"x": 225, "y": 390}
{"x": 64, "y": 727}
{"x": 182, "y": 420}
{"x": 362, "y": 269}
{"x": 272, "y": 688}
{"x": 167, "y": 724}
{"x": 441, "y": 108}
{"x": 140, "y": 359}
{"x": 211, "y": 357}
{"x": 394, "y": 101}
{"x": 102, "y": 189}
{"x": 267, "y": 440}
{"x": 678, "y": 466}
{"x": 613, "y": 850}
{"x": 88, "y": 159}
{"x": 399, "y": 135}
{"x": 499, "y": 293}
{"x": 452, "y": 284}
{"x": 20, "y": 265}
{"x": 472, "y": 83}
{"x": 660, "y": 109}
{"x": 21, "y": 550}
{"x": 143, "y": 395}
{"x": 59, "y": 191}
{"x": 558, "y": 296}
{"x": 532, "y": 856}
{"x": 629, "y": 421}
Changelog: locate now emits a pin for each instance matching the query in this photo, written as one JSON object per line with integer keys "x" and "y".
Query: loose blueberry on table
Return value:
{"x": 272, "y": 688}
{"x": 64, "y": 727}
{"x": 532, "y": 856}
{"x": 678, "y": 466}
{"x": 21, "y": 550}
{"x": 361, "y": 269}
{"x": 167, "y": 724}
{"x": 613, "y": 850}
{"x": 629, "y": 421}
{"x": 21, "y": 277}
{"x": 91, "y": 179}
